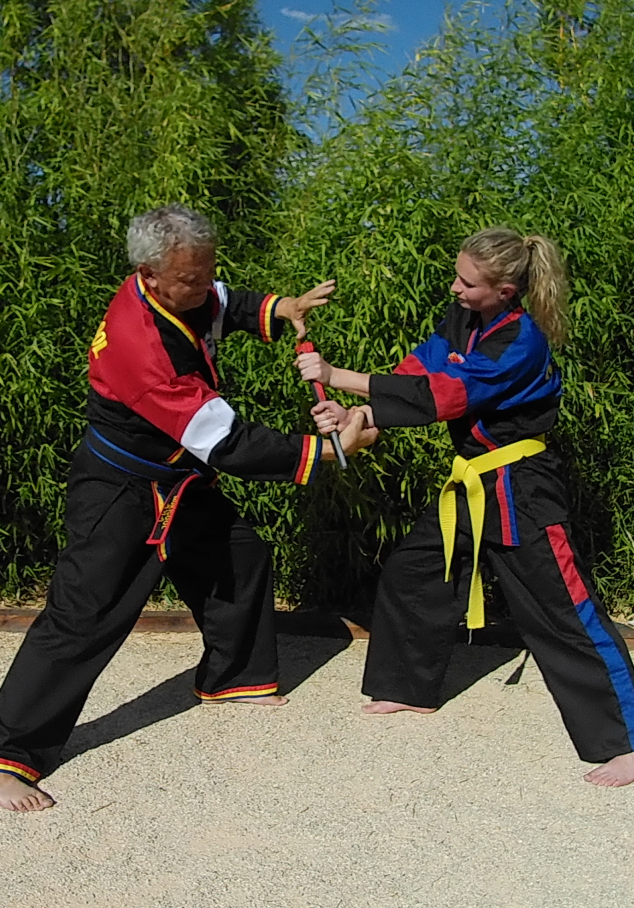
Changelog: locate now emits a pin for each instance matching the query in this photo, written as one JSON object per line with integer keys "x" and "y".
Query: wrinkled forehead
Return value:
{"x": 187, "y": 258}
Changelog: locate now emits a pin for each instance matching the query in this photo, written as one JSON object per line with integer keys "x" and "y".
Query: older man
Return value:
{"x": 142, "y": 498}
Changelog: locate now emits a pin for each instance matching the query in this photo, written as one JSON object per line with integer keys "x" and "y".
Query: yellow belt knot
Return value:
{"x": 468, "y": 472}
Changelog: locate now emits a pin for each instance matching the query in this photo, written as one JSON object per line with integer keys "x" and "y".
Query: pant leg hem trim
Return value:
{"x": 19, "y": 770}
{"x": 238, "y": 693}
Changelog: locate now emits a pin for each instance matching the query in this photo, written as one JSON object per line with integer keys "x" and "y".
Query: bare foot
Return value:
{"x": 17, "y": 795}
{"x": 616, "y": 772}
{"x": 383, "y": 707}
{"x": 272, "y": 700}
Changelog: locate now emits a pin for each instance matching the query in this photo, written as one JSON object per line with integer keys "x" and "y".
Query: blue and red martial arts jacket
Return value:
{"x": 494, "y": 385}
{"x": 154, "y": 386}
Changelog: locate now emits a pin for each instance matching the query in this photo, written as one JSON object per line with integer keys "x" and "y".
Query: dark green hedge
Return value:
{"x": 528, "y": 124}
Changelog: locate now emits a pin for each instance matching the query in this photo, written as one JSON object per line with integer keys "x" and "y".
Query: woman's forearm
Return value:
{"x": 352, "y": 382}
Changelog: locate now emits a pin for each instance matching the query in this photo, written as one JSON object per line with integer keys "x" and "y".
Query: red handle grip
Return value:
{"x": 318, "y": 388}
{"x": 319, "y": 394}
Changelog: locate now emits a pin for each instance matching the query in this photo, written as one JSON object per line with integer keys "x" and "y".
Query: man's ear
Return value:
{"x": 147, "y": 274}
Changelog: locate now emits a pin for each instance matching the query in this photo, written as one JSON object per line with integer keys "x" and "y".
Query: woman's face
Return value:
{"x": 475, "y": 291}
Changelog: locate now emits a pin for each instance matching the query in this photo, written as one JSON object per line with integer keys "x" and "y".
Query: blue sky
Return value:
{"x": 409, "y": 21}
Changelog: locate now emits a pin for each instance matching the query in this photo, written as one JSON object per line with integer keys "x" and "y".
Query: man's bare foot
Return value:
{"x": 17, "y": 795}
{"x": 616, "y": 772}
{"x": 383, "y": 707}
{"x": 271, "y": 700}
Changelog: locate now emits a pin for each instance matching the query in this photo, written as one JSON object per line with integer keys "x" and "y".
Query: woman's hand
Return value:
{"x": 330, "y": 416}
{"x": 313, "y": 367}
{"x": 369, "y": 415}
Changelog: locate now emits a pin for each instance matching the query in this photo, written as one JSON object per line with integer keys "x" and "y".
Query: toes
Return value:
{"x": 43, "y": 801}
{"x": 601, "y": 777}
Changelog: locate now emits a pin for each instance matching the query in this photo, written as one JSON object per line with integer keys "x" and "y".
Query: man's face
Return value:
{"x": 474, "y": 290}
{"x": 183, "y": 279}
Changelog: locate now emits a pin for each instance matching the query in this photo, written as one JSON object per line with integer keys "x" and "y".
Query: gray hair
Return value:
{"x": 151, "y": 236}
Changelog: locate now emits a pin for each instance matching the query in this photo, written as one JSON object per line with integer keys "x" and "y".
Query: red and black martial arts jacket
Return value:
{"x": 154, "y": 387}
{"x": 494, "y": 386}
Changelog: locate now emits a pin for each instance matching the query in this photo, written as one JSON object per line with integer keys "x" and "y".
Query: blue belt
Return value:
{"x": 158, "y": 474}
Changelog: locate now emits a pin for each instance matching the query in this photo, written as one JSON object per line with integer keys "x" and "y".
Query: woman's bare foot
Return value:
{"x": 616, "y": 772}
{"x": 383, "y": 707}
{"x": 17, "y": 795}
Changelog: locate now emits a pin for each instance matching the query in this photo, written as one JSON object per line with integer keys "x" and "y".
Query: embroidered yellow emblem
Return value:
{"x": 100, "y": 341}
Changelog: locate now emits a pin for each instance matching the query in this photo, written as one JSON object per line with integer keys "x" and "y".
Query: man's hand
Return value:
{"x": 357, "y": 434}
{"x": 313, "y": 367}
{"x": 295, "y": 309}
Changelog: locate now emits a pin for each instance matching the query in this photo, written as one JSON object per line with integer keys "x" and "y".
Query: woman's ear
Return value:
{"x": 508, "y": 291}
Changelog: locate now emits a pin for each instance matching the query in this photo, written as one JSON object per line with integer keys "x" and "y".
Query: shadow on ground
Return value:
{"x": 471, "y": 663}
{"x": 300, "y": 657}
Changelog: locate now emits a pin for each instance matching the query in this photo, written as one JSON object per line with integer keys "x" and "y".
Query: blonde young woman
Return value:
{"x": 487, "y": 370}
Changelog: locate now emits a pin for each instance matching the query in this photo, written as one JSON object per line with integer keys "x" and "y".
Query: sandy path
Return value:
{"x": 167, "y": 804}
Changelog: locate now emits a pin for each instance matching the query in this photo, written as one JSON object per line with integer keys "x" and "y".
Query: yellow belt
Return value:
{"x": 468, "y": 472}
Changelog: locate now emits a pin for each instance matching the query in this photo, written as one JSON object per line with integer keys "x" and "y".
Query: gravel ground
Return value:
{"x": 167, "y": 804}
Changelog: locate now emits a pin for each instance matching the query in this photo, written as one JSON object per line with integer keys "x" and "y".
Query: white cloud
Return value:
{"x": 297, "y": 14}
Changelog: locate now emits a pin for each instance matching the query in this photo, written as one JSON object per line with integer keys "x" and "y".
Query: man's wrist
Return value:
{"x": 282, "y": 307}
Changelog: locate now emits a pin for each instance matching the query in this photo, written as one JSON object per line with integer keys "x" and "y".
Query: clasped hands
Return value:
{"x": 355, "y": 426}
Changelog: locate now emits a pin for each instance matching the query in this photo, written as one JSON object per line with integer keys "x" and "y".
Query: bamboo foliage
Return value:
{"x": 107, "y": 109}
{"x": 527, "y": 123}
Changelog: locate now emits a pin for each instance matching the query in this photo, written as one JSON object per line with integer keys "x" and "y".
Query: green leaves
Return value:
{"x": 108, "y": 109}
{"x": 527, "y": 123}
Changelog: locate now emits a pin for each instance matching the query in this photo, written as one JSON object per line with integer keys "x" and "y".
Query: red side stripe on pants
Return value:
{"x": 566, "y": 561}
{"x": 505, "y": 511}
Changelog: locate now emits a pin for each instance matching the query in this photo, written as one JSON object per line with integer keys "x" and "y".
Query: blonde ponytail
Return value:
{"x": 547, "y": 288}
{"x": 533, "y": 264}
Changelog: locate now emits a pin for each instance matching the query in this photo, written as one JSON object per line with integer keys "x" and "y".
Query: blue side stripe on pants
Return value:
{"x": 614, "y": 662}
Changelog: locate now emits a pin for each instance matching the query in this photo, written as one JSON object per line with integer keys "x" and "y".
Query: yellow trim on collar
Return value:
{"x": 189, "y": 334}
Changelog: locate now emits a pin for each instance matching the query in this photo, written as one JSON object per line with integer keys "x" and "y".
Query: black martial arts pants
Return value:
{"x": 104, "y": 576}
{"x": 581, "y": 655}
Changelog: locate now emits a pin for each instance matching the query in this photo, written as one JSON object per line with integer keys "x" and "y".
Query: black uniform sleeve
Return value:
{"x": 253, "y": 451}
{"x": 402, "y": 400}
{"x": 254, "y": 313}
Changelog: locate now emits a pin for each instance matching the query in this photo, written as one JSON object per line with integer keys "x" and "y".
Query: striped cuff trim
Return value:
{"x": 239, "y": 693}
{"x": 267, "y": 314}
{"x": 19, "y": 770}
{"x": 309, "y": 461}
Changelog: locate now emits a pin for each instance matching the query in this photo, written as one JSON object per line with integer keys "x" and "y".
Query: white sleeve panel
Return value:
{"x": 208, "y": 427}
{"x": 223, "y": 296}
